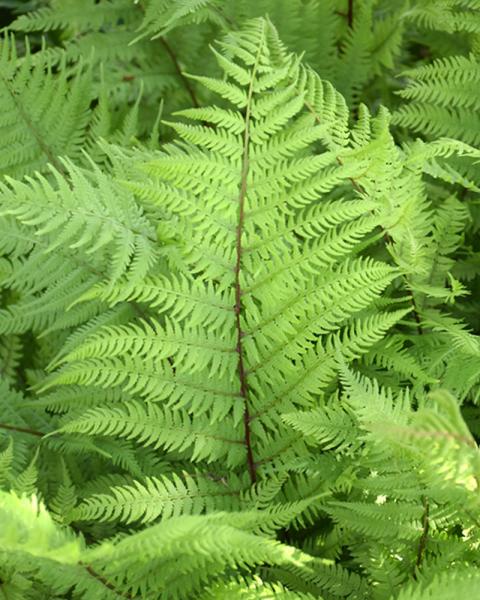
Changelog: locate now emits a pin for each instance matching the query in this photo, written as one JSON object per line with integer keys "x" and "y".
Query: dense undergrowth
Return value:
{"x": 239, "y": 320}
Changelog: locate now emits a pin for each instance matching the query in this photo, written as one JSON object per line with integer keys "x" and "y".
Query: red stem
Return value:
{"x": 22, "y": 430}
{"x": 350, "y": 13}
{"x": 238, "y": 290}
{"x": 425, "y": 530}
{"x": 238, "y": 308}
{"x": 91, "y": 571}
{"x": 178, "y": 69}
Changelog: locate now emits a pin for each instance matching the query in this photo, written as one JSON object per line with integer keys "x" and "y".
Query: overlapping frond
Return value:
{"x": 73, "y": 234}
{"x": 221, "y": 541}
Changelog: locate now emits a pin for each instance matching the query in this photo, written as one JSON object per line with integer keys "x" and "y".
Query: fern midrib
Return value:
{"x": 176, "y": 64}
{"x": 186, "y": 83}
{"x": 238, "y": 266}
{"x": 22, "y": 430}
{"x": 91, "y": 571}
{"x": 422, "y": 544}
{"x": 350, "y": 14}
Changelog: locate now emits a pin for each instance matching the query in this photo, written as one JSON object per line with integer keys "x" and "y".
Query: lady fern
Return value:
{"x": 239, "y": 351}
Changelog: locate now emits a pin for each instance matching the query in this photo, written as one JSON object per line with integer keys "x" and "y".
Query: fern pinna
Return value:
{"x": 230, "y": 361}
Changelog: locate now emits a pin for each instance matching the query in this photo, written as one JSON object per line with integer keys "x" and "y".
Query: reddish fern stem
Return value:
{"x": 178, "y": 69}
{"x": 91, "y": 571}
{"x": 238, "y": 313}
{"x": 238, "y": 290}
{"x": 350, "y": 13}
{"x": 173, "y": 57}
{"x": 238, "y": 305}
{"x": 21, "y": 430}
{"x": 425, "y": 531}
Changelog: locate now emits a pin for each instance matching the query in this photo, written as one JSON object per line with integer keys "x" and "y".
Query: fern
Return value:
{"x": 58, "y": 124}
{"x": 181, "y": 352}
{"x": 239, "y": 351}
{"x": 443, "y": 102}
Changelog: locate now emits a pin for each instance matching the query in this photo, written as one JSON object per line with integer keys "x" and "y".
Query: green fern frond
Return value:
{"x": 154, "y": 498}
{"x": 255, "y": 590}
{"x": 92, "y": 224}
{"x": 6, "y": 458}
{"x": 331, "y": 428}
{"x": 269, "y": 303}
{"x": 45, "y": 114}
{"x": 64, "y": 226}
{"x": 353, "y": 70}
{"x": 319, "y": 576}
{"x": 219, "y": 544}
{"x": 239, "y": 352}
{"x": 161, "y": 16}
{"x": 441, "y": 99}
{"x": 455, "y": 581}
{"x": 179, "y": 432}
{"x": 64, "y": 501}
{"x": 10, "y": 355}
{"x": 69, "y": 14}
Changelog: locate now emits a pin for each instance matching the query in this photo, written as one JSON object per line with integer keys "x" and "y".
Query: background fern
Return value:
{"x": 239, "y": 334}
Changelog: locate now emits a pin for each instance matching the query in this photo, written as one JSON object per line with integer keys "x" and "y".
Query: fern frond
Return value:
{"x": 154, "y": 498}
{"x": 63, "y": 227}
{"x": 92, "y": 221}
{"x": 270, "y": 303}
{"x": 178, "y": 431}
{"x": 255, "y": 590}
{"x": 330, "y": 428}
{"x": 319, "y": 576}
{"x": 353, "y": 70}
{"x": 219, "y": 544}
{"x": 455, "y": 581}
{"x": 45, "y": 114}
{"x": 6, "y": 458}
{"x": 61, "y": 15}
{"x": 161, "y": 16}
{"x": 236, "y": 358}
{"x": 441, "y": 99}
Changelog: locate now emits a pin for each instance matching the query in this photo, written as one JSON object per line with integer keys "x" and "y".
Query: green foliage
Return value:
{"x": 239, "y": 334}
{"x": 58, "y": 123}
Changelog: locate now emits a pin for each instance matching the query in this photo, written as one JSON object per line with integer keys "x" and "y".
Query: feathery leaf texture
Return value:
{"x": 239, "y": 271}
